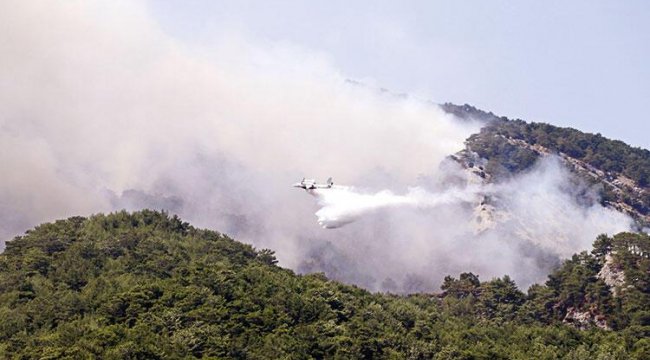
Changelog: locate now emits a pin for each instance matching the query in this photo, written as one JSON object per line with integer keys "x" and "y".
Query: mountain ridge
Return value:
{"x": 506, "y": 147}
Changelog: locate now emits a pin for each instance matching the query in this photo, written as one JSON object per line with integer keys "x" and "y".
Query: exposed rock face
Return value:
{"x": 584, "y": 320}
{"x": 486, "y": 215}
{"x": 612, "y": 275}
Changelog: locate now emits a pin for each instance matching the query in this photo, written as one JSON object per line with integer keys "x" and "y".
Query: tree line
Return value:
{"x": 147, "y": 285}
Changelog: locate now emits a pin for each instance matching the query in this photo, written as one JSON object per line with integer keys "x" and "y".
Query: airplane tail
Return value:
{"x": 330, "y": 182}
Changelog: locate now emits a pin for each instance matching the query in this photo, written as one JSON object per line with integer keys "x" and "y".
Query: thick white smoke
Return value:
{"x": 101, "y": 110}
{"x": 524, "y": 228}
{"x": 342, "y": 205}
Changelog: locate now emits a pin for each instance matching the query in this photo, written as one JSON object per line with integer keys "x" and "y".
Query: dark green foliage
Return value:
{"x": 611, "y": 156}
{"x": 149, "y": 286}
{"x": 469, "y": 112}
{"x": 503, "y": 157}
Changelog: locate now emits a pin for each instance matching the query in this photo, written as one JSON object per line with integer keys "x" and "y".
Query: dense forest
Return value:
{"x": 612, "y": 156}
{"x": 147, "y": 285}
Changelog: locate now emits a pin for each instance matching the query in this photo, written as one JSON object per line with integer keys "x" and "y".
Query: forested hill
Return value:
{"x": 511, "y": 146}
{"x": 149, "y": 286}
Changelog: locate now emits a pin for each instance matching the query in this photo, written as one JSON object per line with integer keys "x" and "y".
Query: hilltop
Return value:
{"x": 504, "y": 148}
{"x": 149, "y": 285}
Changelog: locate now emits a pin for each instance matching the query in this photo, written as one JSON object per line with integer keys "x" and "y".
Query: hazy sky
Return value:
{"x": 584, "y": 64}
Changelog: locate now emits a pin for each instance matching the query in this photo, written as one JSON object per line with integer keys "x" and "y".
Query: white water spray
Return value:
{"x": 341, "y": 205}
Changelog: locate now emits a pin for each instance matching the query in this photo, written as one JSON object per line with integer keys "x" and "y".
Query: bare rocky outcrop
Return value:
{"x": 612, "y": 275}
{"x": 584, "y": 320}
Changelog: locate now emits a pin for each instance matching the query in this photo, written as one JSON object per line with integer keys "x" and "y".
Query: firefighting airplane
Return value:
{"x": 310, "y": 184}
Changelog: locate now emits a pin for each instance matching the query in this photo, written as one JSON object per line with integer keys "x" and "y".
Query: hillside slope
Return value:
{"x": 505, "y": 147}
{"x": 146, "y": 285}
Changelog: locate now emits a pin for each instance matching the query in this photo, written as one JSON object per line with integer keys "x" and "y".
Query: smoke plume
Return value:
{"x": 341, "y": 205}
{"x": 102, "y": 110}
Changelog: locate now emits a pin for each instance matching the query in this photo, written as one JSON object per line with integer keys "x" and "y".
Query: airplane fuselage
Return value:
{"x": 310, "y": 184}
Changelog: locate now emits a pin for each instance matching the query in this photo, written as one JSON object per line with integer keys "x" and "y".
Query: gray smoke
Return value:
{"x": 101, "y": 110}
